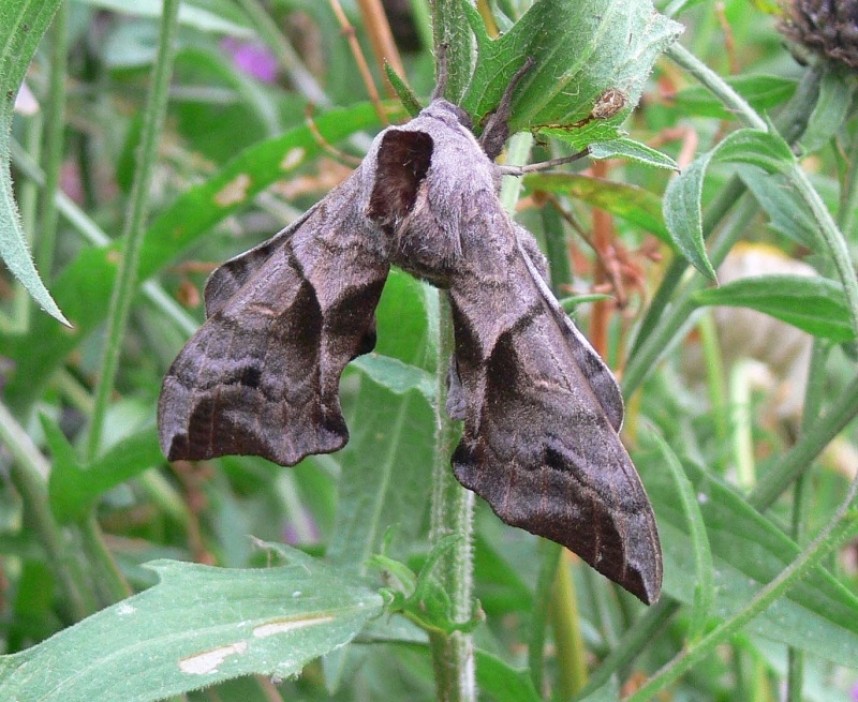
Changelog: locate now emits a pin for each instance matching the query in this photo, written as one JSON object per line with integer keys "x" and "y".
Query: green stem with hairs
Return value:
{"x": 791, "y": 124}
{"x": 126, "y": 279}
{"x": 451, "y": 28}
{"x": 451, "y": 514}
{"x": 53, "y": 155}
{"x": 839, "y": 527}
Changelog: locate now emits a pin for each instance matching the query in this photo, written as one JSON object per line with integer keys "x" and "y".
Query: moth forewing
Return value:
{"x": 261, "y": 376}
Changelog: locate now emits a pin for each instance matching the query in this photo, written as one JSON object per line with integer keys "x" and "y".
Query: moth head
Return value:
{"x": 402, "y": 163}
{"x": 448, "y": 113}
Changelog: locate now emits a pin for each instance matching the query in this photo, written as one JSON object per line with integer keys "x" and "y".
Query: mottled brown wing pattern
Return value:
{"x": 541, "y": 410}
{"x": 261, "y": 376}
{"x": 541, "y": 414}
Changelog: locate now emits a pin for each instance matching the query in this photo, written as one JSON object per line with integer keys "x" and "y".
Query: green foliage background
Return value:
{"x": 122, "y": 577}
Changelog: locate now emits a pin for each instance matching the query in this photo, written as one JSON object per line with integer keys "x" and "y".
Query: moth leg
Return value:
{"x": 456, "y": 402}
{"x": 496, "y": 130}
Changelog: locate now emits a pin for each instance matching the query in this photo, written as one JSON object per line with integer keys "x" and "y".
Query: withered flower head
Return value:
{"x": 826, "y": 27}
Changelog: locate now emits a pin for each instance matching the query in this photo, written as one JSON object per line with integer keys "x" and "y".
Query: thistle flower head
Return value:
{"x": 826, "y": 27}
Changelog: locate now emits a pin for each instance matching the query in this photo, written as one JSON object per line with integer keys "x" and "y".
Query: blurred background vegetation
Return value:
{"x": 266, "y": 110}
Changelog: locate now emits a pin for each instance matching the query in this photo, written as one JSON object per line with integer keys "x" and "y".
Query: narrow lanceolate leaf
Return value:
{"x": 682, "y": 199}
{"x": 815, "y": 305}
{"x": 704, "y": 594}
{"x": 22, "y": 24}
{"x": 835, "y": 97}
{"x": 762, "y": 92}
{"x": 198, "y": 626}
{"x": 636, "y": 205}
{"x": 74, "y": 488}
{"x": 819, "y": 615}
{"x": 632, "y": 150}
{"x": 83, "y": 288}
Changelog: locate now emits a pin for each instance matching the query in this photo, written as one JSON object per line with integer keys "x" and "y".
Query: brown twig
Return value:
{"x": 325, "y": 145}
{"x": 607, "y": 264}
{"x": 380, "y": 36}
{"x": 729, "y": 39}
{"x": 351, "y": 36}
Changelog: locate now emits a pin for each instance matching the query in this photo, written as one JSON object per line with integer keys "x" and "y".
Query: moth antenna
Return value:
{"x": 543, "y": 165}
{"x": 496, "y": 131}
{"x": 443, "y": 71}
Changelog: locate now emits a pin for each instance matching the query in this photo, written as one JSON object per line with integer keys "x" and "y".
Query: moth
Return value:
{"x": 541, "y": 411}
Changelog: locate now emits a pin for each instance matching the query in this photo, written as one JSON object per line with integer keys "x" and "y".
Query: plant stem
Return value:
{"x": 814, "y": 393}
{"x": 795, "y": 656}
{"x": 551, "y": 555}
{"x": 111, "y": 582}
{"x": 715, "y": 376}
{"x": 807, "y": 448}
{"x": 29, "y": 205}
{"x": 93, "y": 234}
{"x": 517, "y": 153}
{"x": 451, "y": 514}
{"x": 567, "y": 633}
{"x": 848, "y": 214}
{"x": 450, "y": 27}
{"x": 838, "y": 528}
{"x": 270, "y": 33}
{"x": 716, "y": 84}
{"x": 53, "y": 156}
{"x": 30, "y": 473}
{"x": 126, "y": 279}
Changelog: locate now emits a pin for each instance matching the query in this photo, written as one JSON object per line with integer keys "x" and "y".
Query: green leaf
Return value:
{"x": 403, "y": 91}
{"x": 703, "y": 586}
{"x": 609, "y": 692}
{"x": 503, "y": 683}
{"x": 386, "y": 466}
{"x": 818, "y": 616}
{"x": 763, "y": 92}
{"x": 583, "y": 52}
{"x": 74, "y": 489}
{"x": 682, "y": 199}
{"x": 815, "y": 305}
{"x": 84, "y": 287}
{"x": 217, "y": 17}
{"x": 634, "y": 204}
{"x": 22, "y": 25}
{"x": 836, "y": 91}
{"x": 788, "y": 212}
{"x": 767, "y": 150}
{"x": 579, "y": 135}
{"x": 198, "y": 626}
{"x": 396, "y": 376}
{"x": 570, "y": 303}
{"x": 633, "y": 151}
